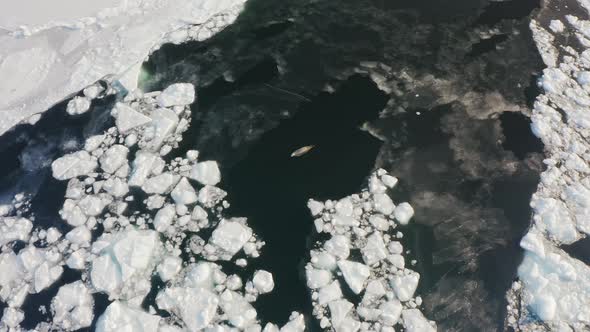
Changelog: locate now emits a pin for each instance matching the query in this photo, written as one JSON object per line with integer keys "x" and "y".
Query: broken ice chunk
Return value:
{"x": 113, "y": 158}
{"x": 126, "y": 118}
{"x": 93, "y": 142}
{"x": 177, "y": 94}
{"x": 296, "y": 323}
{"x": 317, "y": 278}
{"x": 329, "y": 293}
{"x": 78, "y": 105}
{"x": 11, "y": 318}
{"x": 405, "y": 286}
{"x": 390, "y": 312}
{"x": 414, "y": 321}
{"x": 239, "y": 312}
{"x": 379, "y": 222}
{"x": 142, "y": 167}
{"x": 338, "y": 246}
{"x": 383, "y": 204}
{"x": 79, "y": 235}
{"x": 374, "y": 250}
{"x": 230, "y": 236}
{"x": 403, "y": 213}
{"x": 195, "y": 306}
{"x": 45, "y": 275}
{"x": 199, "y": 213}
{"x": 389, "y": 180}
{"x": 355, "y": 274}
{"x": 120, "y": 317}
{"x": 14, "y": 229}
{"x": 93, "y": 205}
{"x": 206, "y": 172}
{"x": 338, "y": 311}
{"x": 209, "y": 196}
{"x": 159, "y": 184}
{"x": 163, "y": 123}
{"x": 263, "y": 281}
{"x": 184, "y": 193}
{"x": 169, "y": 267}
{"x": 315, "y": 207}
{"x": 73, "y": 307}
{"x": 164, "y": 217}
{"x": 73, "y": 165}
{"x": 124, "y": 260}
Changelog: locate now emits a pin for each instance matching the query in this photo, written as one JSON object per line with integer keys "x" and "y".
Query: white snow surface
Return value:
{"x": 58, "y": 48}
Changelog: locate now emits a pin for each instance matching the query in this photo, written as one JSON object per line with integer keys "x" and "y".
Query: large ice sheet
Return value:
{"x": 57, "y": 49}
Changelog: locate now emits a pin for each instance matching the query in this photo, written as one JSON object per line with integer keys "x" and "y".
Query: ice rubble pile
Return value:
{"x": 131, "y": 214}
{"x": 364, "y": 223}
{"x": 554, "y": 289}
{"x": 118, "y": 249}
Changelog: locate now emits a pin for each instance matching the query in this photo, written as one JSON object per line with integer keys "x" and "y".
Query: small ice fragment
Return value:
{"x": 177, "y": 94}
{"x": 78, "y": 105}
{"x": 338, "y": 311}
{"x": 159, "y": 184}
{"x": 73, "y": 307}
{"x": 73, "y": 165}
{"x": 374, "y": 251}
{"x": 355, "y": 274}
{"x": 317, "y": 278}
{"x": 230, "y": 236}
{"x": 390, "y": 312}
{"x": 113, "y": 158}
{"x": 164, "y": 217}
{"x": 263, "y": 281}
{"x": 405, "y": 286}
{"x": 126, "y": 118}
{"x": 315, "y": 207}
{"x": 329, "y": 293}
{"x": 169, "y": 267}
{"x": 120, "y": 317}
{"x": 206, "y": 172}
{"x": 383, "y": 204}
{"x": 184, "y": 193}
{"x": 414, "y": 321}
{"x": 403, "y": 213}
{"x": 14, "y": 229}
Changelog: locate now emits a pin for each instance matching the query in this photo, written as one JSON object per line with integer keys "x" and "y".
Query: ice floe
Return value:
{"x": 552, "y": 291}
{"x": 364, "y": 222}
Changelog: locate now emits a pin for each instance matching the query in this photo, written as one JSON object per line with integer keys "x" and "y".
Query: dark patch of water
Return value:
{"x": 34, "y": 302}
{"x": 496, "y": 11}
{"x": 486, "y": 45}
{"x": 579, "y": 250}
{"x": 271, "y": 29}
{"x": 101, "y": 302}
{"x": 271, "y": 188}
{"x": 519, "y": 137}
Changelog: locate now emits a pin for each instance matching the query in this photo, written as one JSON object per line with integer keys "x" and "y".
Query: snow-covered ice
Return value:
{"x": 121, "y": 317}
{"x": 73, "y": 307}
{"x": 54, "y": 51}
{"x": 177, "y": 94}
{"x": 552, "y": 291}
{"x": 206, "y": 172}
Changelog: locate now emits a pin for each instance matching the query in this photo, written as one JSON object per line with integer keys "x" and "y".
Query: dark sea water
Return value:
{"x": 300, "y": 75}
{"x": 298, "y": 79}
